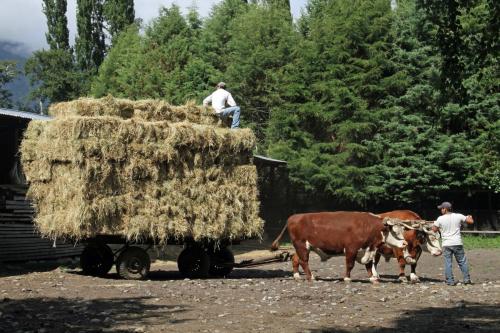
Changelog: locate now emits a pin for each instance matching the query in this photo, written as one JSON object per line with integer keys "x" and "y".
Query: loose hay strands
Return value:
{"x": 141, "y": 169}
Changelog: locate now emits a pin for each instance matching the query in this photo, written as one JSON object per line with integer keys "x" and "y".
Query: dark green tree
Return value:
{"x": 54, "y": 76}
{"x": 469, "y": 112}
{"x": 53, "y": 73}
{"x": 118, "y": 14}
{"x": 444, "y": 14}
{"x": 217, "y": 33}
{"x": 283, "y": 5}
{"x": 165, "y": 63}
{"x": 480, "y": 21}
{"x": 58, "y": 34}
{"x": 90, "y": 44}
{"x": 261, "y": 46}
{"x": 411, "y": 154}
{"x": 8, "y": 72}
{"x": 335, "y": 90}
{"x": 119, "y": 74}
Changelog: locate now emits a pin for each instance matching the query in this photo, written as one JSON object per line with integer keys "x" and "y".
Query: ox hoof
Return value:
{"x": 296, "y": 276}
{"x": 414, "y": 278}
{"x": 347, "y": 280}
{"x": 374, "y": 280}
{"x": 403, "y": 279}
{"x": 310, "y": 279}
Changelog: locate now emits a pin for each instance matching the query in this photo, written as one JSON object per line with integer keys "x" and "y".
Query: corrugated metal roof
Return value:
{"x": 23, "y": 115}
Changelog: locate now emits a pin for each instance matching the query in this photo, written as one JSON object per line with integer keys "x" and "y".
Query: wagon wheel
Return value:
{"x": 133, "y": 263}
{"x": 96, "y": 259}
{"x": 221, "y": 262}
{"x": 193, "y": 262}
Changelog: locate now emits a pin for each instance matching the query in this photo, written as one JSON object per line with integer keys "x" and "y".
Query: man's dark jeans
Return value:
{"x": 459, "y": 253}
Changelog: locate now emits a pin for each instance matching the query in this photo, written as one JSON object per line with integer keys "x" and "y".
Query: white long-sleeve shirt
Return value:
{"x": 219, "y": 98}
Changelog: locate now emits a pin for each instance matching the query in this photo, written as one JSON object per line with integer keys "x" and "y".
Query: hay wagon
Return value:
{"x": 114, "y": 171}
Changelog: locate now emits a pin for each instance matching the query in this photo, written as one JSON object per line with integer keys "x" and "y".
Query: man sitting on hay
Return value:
{"x": 219, "y": 98}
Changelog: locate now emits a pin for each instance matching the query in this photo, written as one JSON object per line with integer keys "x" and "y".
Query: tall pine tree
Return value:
{"x": 52, "y": 72}
{"x": 342, "y": 73}
{"x": 165, "y": 63}
{"x": 57, "y": 24}
{"x": 217, "y": 33}
{"x": 283, "y": 5}
{"x": 410, "y": 154}
{"x": 118, "y": 14}
{"x": 90, "y": 46}
{"x": 261, "y": 46}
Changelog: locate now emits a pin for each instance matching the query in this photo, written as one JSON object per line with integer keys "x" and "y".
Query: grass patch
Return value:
{"x": 481, "y": 242}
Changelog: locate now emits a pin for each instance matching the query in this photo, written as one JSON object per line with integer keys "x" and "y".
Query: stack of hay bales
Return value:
{"x": 141, "y": 169}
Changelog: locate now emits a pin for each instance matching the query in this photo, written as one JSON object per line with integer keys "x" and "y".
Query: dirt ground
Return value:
{"x": 50, "y": 298}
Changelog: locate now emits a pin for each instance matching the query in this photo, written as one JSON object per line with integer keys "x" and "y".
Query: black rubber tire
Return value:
{"x": 221, "y": 261}
{"x": 193, "y": 263}
{"x": 96, "y": 259}
{"x": 133, "y": 263}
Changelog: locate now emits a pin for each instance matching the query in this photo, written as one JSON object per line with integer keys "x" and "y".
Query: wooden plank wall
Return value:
{"x": 19, "y": 240}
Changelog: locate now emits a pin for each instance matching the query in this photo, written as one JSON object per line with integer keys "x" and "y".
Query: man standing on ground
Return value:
{"x": 219, "y": 99}
{"x": 449, "y": 224}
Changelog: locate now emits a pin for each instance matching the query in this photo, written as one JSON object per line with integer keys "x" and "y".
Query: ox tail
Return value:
{"x": 275, "y": 245}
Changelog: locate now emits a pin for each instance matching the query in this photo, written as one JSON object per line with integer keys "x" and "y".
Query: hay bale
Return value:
{"x": 142, "y": 170}
{"x": 150, "y": 110}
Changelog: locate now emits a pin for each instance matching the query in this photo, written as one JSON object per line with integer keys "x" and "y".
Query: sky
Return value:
{"x": 23, "y": 21}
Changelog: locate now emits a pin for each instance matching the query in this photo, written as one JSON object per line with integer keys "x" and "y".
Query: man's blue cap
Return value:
{"x": 445, "y": 204}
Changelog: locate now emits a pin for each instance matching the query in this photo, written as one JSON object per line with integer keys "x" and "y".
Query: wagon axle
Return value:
{"x": 197, "y": 260}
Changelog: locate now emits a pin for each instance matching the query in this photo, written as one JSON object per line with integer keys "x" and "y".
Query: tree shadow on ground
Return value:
{"x": 463, "y": 317}
{"x": 22, "y": 268}
{"x": 56, "y": 315}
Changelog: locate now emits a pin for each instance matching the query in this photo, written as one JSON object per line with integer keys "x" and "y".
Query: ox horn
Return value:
{"x": 416, "y": 225}
{"x": 407, "y": 226}
{"x": 388, "y": 221}
{"x": 427, "y": 229}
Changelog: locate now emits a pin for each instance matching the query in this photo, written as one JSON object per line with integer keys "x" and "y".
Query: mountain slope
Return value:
{"x": 20, "y": 86}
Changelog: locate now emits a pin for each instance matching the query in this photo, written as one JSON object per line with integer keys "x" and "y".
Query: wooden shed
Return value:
{"x": 19, "y": 240}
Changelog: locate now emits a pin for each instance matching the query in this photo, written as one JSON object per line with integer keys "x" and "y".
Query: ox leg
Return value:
{"x": 402, "y": 265}
{"x": 372, "y": 272}
{"x": 376, "y": 260}
{"x": 350, "y": 259}
{"x": 413, "y": 275}
{"x": 295, "y": 265}
{"x": 371, "y": 268}
{"x": 400, "y": 257}
{"x": 303, "y": 257}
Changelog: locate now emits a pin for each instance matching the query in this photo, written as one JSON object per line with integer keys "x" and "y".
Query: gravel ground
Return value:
{"x": 47, "y": 298}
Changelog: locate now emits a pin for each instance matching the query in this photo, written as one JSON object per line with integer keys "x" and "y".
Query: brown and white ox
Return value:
{"x": 358, "y": 235}
{"x": 418, "y": 240}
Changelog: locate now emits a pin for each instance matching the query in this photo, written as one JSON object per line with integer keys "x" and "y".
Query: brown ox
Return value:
{"x": 416, "y": 239}
{"x": 355, "y": 234}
